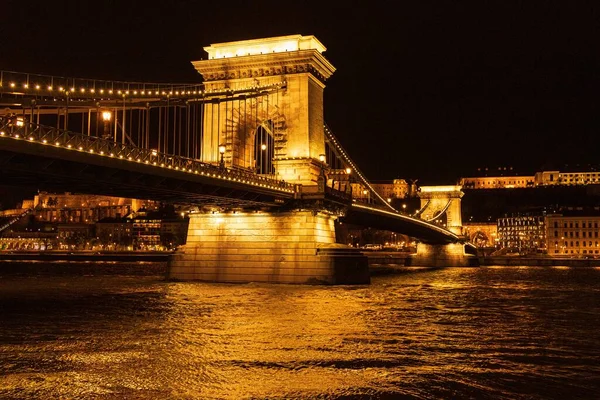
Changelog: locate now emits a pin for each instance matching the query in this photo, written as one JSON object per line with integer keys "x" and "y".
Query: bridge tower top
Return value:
{"x": 278, "y": 44}
{"x": 287, "y": 125}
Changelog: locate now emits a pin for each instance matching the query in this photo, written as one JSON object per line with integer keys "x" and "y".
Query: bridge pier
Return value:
{"x": 272, "y": 247}
{"x": 444, "y": 255}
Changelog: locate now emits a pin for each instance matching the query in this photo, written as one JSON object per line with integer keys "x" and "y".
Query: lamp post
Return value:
{"x": 106, "y": 117}
{"x": 348, "y": 187}
{"x": 222, "y": 152}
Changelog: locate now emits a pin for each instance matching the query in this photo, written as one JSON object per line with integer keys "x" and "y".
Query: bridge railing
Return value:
{"x": 38, "y": 85}
{"x": 17, "y": 128}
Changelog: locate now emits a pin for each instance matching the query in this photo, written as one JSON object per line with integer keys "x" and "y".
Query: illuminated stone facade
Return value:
{"x": 573, "y": 235}
{"x": 84, "y": 208}
{"x": 442, "y": 203}
{"x": 481, "y": 234}
{"x": 542, "y": 178}
{"x": 291, "y": 247}
{"x": 291, "y": 119}
{"x": 498, "y": 182}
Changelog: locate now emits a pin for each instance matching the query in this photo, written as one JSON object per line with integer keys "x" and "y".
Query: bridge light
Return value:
{"x": 348, "y": 170}
{"x": 106, "y": 115}
{"x": 263, "y": 146}
{"x": 222, "y": 152}
{"x": 322, "y": 158}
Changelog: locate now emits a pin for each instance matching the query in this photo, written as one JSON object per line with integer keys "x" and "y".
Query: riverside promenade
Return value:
{"x": 391, "y": 258}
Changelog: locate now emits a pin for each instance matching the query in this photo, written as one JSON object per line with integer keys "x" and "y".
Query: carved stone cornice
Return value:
{"x": 264, "y": 65}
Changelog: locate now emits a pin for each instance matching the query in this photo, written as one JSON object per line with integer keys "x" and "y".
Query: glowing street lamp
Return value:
{"x": 106, "y": 117}
{"x": 322, "y": 158}
{"x": 263, "y": 146}
{"x": 222, "y": 152}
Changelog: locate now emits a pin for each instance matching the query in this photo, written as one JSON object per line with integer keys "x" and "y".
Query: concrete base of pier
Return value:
{"x": 289, "y": 247}
{"x": 448, "y": 255}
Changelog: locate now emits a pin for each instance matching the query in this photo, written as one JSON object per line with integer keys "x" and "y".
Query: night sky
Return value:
{"x": 423, "y": 90}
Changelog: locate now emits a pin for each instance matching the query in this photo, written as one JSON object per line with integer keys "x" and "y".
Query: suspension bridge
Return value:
{"x": 248, "y": 149}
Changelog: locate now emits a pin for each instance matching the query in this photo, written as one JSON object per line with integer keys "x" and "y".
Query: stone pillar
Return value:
{"x": 439, "y": 255}
{"x": 288, "y": 247}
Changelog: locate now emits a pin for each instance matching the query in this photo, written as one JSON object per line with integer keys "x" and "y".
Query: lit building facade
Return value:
{"x": 397, "y": 189}
{"x": 573, "y": 235}
{"x": 498, "y": 182}
{"x": 522, "y": 233}
{"x": 542, "y": 178}
{"x": 83, "y": 208}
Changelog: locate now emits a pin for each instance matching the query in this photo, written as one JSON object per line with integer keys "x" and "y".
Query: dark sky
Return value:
{"x": 423, "y": 90}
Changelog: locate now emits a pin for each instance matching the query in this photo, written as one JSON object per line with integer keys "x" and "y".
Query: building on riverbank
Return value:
{"x": 574, "y": 232}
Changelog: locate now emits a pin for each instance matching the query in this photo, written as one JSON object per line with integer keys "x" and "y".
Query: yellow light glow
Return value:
{"x": 106, "y": 115}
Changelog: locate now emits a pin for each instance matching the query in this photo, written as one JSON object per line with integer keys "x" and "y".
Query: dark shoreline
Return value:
{"x": 132, "y": 256}
{"x": 399, "y": 259}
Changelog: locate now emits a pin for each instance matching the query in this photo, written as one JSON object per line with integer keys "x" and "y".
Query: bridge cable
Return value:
{"x": 343, "y": 155}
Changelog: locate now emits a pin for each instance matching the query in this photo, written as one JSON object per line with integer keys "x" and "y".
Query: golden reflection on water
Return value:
{"x": 422, "y": 333}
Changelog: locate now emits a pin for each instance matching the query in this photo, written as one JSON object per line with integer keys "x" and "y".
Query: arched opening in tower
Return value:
{"x": 264, "y": 148}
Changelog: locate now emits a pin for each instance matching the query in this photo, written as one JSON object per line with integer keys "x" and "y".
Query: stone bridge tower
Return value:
{"x": 439, "y": 200}
{"x": 282, "y": 79}
{"x": 291, "y": 119}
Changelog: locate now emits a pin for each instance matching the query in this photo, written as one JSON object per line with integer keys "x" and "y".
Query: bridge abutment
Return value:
{"x": 281, "y": 247}
{"x": 443, "y": 255}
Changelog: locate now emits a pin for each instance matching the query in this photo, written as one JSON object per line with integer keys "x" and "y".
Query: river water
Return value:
{"x": 456, "y": 333}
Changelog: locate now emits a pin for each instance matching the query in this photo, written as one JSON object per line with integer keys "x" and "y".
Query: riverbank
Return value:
{"x": 386, "y": 261}
{"x": 539, "y": 261}
{"x": 131, "y": 256}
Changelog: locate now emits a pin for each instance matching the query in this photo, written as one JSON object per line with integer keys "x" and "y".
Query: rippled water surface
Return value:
{"x": 489, "y": 332}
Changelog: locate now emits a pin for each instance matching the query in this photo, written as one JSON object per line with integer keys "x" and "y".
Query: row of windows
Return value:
{"x": 580, "y": 174}
{"x": 577, "y": 252}
{"x": 583, "y": 234}
{"x": 583, "y": 243}
{"x": 503, "y": 222}
{"x": 589, "y": 224}
{"x": 521, "y": 228}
